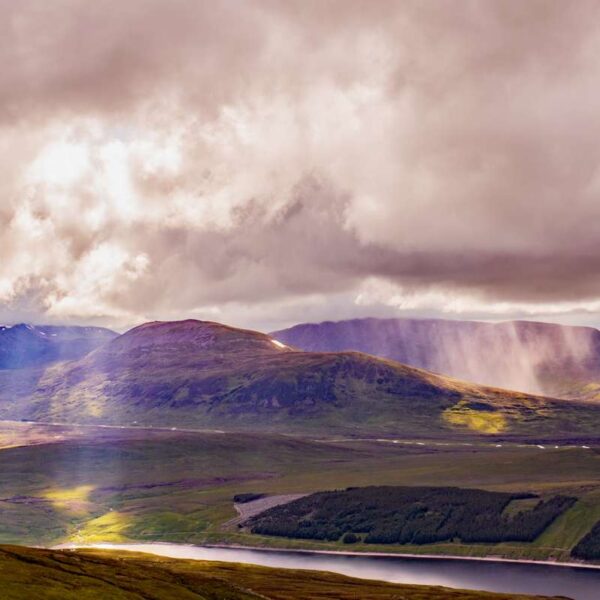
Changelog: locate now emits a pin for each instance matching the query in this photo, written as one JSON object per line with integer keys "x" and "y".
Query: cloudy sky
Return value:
{"x": 265, "y": 162}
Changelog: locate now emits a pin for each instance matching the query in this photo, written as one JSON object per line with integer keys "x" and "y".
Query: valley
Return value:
{"x": 194, "y": 432}
{"x": 116, "y": 485}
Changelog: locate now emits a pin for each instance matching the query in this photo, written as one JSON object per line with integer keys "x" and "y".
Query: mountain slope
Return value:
{"x": 195, "y": 373}
{"x": 538, "y": 358}
{"x": 27, "y": 350}
{"x": 23, "y": 346}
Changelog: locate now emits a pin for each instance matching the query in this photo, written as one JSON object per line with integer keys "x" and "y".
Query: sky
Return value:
{"x": 263, "y": 163}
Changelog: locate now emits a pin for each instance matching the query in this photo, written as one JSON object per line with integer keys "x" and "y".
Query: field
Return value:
{"x": 87, "y": 485}
{"x": 27, "y": 573}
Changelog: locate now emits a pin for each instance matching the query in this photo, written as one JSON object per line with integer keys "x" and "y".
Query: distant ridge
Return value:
{"x": 539, "y": 358}
{"x": 26, "y": 345}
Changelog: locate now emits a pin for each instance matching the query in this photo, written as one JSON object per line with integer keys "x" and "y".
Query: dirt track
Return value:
{"x": 250, "y": 509}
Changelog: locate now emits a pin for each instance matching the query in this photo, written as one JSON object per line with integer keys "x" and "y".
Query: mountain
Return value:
{"x": 23, "y": 346}
{"x": 538, "y": 358}
{"x": 204, "y": 374}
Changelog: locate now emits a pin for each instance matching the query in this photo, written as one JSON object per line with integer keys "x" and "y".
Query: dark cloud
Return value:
{"x": 261, "y": 158}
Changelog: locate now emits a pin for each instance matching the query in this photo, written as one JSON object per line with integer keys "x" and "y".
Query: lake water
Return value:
{"x": 573, "y": 582}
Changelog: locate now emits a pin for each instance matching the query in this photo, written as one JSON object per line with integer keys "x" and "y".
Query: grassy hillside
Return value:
{"x": 27, "y": 573}
{"x": 205, "y": 374}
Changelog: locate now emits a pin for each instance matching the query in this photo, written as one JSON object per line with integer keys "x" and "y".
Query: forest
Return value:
{"x": 588, "y": 547}
{"x": 247, "y": 497}
{"x": 412, "y": 515}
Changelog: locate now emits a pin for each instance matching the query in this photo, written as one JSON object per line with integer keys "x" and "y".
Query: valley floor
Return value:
{"x": 62, "y": 484}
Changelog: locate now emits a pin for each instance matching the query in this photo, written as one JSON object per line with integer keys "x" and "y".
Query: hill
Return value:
{"x": 27, "y": 573}
{"x": 23, "y": 346}
{"x": 537, "y": 358}
{"x": 204, "y": 374}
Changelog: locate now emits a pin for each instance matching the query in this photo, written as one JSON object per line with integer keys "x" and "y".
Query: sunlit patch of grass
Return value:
{"x": 591, "y": 391}
{"x": 95, "y": 410}
{"x": 7, "y": 441}
{"x": 109, "y": 527}
{"x": 65, "y": 497}
{"x": 167, "y": 525}
{"x": 481, "y": 421}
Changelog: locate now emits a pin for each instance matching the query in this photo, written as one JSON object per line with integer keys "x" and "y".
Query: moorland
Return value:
{"x": 94, "y": 484}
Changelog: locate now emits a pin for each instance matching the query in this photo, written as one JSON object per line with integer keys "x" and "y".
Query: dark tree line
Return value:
{"x": 588, "y": 547}
{"x": 247, "y": 497}
{"x": 410, "y": 515}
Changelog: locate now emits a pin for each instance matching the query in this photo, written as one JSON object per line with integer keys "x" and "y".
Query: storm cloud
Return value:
{"x": 264, "y": 162}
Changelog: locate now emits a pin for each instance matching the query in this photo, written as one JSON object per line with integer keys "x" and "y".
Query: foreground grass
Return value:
{"x": 27, "y": 573}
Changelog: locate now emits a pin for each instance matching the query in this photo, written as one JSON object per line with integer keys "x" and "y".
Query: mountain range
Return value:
{"x": 204, "y": 374}
{"x": 537, "y": 358}
{"x": 25, "y": 345}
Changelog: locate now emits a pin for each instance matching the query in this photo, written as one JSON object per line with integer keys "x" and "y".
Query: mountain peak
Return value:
{"x": 22, "y": 327}
{"x": 181, "y": 326}
{"x": 195, "y": 336}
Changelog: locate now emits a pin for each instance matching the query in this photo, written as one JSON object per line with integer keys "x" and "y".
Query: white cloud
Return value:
{"x": 175, "y": 158}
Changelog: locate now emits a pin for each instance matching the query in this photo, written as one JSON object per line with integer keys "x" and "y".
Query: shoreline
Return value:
{"x": 408, "y": 556}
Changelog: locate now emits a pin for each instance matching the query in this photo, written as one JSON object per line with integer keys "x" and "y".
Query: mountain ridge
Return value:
{"x": 205, "y": 374}
{"x": 25, "y": 345}
{"x": 534, "y": 357}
